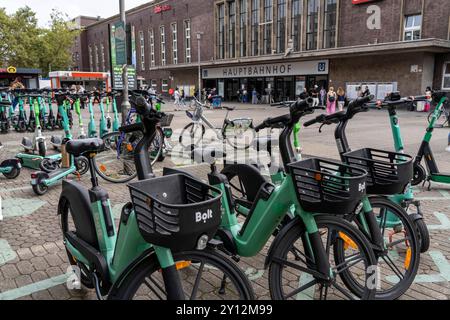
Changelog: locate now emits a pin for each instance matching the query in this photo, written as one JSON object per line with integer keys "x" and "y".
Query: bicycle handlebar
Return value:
{"x": 270, "y": 122}
{"x": 132, "y": 128}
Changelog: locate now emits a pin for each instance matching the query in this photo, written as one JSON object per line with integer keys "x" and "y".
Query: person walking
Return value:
{"x": 315, "y": 96}
{"x": 331, "y": 101}
{"x": 16, "y": 84}
{"x": 304, "y": 95}
{"x": 341, "y": 98}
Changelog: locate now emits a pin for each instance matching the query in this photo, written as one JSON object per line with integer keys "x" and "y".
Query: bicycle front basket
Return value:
{"x": 324, "y": 186}
{"x": 388, "y": 172}
{"x": 175, "y": 211}
{"x": 166, "y": 121}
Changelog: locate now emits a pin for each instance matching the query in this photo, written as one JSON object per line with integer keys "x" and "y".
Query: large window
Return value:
{"x": 232, "y": 29}
{"x": 297, "y": 10}
{"x": 102, "y": 53}
{"x": 413, "y": 25}
{"x": 91, "y": 59}
{"x": 174, "y": 43}
{"x": 312, "y": 24}
{"x": 281, "y": 26}
{"x": 267, "y": 26}
{"x": 221, "y": 32}
{"x": 243, "y": 28}
{"x": 446, "y": 76}
{"x": 162, "y": 31}
{"x": 142, "y": 47}
{"x": 96, "y": 59}
{"x": 187, "y": 34}
{"x": 329, "y": 26}
{"x": 255, "y": 27}
{"x": 151, "y": 36}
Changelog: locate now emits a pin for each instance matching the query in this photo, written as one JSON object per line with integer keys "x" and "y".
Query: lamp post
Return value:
{"x": 199, "y": 37}
{"x": 125, "y": 107}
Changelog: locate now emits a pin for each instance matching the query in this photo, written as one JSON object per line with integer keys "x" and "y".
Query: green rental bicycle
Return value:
{"x": 300, "y": 259}
{"x": 163, "y": 247}
{"x": 390, "y": 229}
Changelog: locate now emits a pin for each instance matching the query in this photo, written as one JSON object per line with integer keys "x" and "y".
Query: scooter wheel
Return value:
{"x": 40, "y": 189}
{"x": 42, "y": 149}
{"x": 419, "y": 174}
{"x": 48, "y": 165}
{"x": 13, "y": 174}
{"x": 422, "y": 233}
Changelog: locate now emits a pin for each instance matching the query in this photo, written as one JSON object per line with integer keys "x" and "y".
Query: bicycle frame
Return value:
{"x": 262, "y": 222}
{"x": 425, "y": 149}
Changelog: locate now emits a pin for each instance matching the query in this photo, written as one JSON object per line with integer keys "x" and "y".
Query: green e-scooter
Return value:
{"x": 103, "y": 122}
{"x": 9, "y": 168}
{"x": 431, "y": 173}
{"x": 92, "y": 129}
{"x": 42, "y": 180}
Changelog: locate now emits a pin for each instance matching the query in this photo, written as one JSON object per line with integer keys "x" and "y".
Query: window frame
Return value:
{"x": 174, "y": 30}
{"x": 315, "y": 30}
{"x": 243, "y": 22}
{"x": 414, "y": 28}
{"x": 142, "y": 48}
{"x": 333, "y": 29}
{"x": 221, "y": 31}
{"x": 296, "y": 33}
{"x": 232, "y": 19}
{"x": 188, "y": 42}
{"x": 162, "y": 33}
{"x": 254, "y": 27}
{"x": 281, "y": 37}
{"x": 445, "y": 75}
{"x": 267, "y": 27}
{"x": 151, "y": 37}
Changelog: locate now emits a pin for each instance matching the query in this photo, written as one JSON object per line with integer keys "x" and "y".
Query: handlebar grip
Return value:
{"x": 132, "y": 128}
{"x": 261, "y": 126}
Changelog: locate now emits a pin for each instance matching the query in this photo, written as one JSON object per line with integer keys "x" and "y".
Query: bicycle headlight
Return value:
{"x": 202, "y": 242}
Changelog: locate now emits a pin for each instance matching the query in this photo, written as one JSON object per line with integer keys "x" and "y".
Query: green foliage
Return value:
{"x": 23, "y": 44}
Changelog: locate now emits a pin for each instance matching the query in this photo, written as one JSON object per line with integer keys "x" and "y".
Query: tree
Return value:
{"x": 24, "y": 44}
{"x": 57, "y": 42}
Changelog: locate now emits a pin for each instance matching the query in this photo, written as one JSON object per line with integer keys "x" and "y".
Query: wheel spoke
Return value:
{"x": 393, "y": 267}
{"x": 394, "y": 243}
{"x": 342, "y": 290}
{"x": 149, "y": 285}
{"x": 302, "y": 288}
{"x": 300, "y": 268}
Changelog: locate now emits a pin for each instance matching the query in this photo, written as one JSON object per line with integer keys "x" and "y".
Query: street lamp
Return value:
{"x": 125, "y": 107}
{"x": 199, "y": 37}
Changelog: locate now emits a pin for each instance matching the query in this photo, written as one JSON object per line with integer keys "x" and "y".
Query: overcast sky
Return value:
{"x": 103, "y": 8}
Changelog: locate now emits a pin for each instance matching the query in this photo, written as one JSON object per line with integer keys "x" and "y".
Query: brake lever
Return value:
{"x": 320, "y": 128}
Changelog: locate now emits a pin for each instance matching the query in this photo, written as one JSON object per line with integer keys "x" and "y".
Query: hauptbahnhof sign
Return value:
{"x": 268, "y": 70}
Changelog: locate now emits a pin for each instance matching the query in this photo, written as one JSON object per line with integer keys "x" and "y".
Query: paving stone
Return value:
{"x": 25, "y": 267}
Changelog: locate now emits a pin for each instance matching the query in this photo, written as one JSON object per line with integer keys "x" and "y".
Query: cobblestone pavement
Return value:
{"x": 33, "y": 262}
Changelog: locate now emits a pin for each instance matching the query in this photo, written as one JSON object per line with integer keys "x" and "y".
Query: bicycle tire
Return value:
{"x": 287, "y": 246}
{"x": 230, "y": 140}
{"x": 128, "y": 166}
{"x": 398, "y": 289}
{"x": 222, "y": 265}
{"x": 191, "y": 130}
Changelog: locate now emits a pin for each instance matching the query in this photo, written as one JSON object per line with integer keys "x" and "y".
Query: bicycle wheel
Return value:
{"x": 238, "y": 137}
{"x": 398, "y": 263}
{"x": 205, "y": 275}
{"x": 192, "y": 134}
{"x": 442, "y": 121}
{"x": 292, "y": 271}
{"x": 115, "y": 163}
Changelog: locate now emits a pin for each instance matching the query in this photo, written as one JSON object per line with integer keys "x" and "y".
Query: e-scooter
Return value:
{"x": 9, "y": 168}
{"x": 92, "y": 130}
{"x": 103, "y": 122}
{"x": 42, "y": 180}
{"x": 431, "y": 173}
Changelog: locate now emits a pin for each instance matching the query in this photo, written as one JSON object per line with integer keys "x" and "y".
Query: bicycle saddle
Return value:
{"x": 208, "y": 154}
{"x": 82, "y": 146}
{"x": 229, "y": 108}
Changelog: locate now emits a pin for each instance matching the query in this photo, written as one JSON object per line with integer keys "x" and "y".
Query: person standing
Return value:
{"x": 365, "y": 92}
{"x": 304, "y": 95}
{"x": 254, "y": 96}
{"x": 428, "y": 93}
{"x": 315, "y": 95}
{"x": 176, "y": 96}
{"x": 341, "y": 98}
{"x": 331, "y": 101}
{"x": 244, "y": 95}
{"x": 16, "y": 84}
{"x": 323, "y": 94}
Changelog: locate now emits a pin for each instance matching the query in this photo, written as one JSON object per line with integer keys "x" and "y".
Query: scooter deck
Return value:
{"x": 32, "y": 161}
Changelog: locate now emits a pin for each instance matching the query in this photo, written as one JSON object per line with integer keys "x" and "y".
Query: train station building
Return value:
{"x": 280, "y": 46}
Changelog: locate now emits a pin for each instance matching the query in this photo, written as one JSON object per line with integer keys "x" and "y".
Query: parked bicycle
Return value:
{"x": 238, "y": 133}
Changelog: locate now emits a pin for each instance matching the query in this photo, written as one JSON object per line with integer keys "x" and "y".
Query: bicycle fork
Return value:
{"x": 172, "y": 280}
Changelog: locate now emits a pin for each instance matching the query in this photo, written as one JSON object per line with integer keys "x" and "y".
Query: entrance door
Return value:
{"x": 231, "y": 89}
{"x": 284, "y": 89}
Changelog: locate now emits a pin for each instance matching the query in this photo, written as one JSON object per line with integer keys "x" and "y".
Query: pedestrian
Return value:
{"x": 315, "y": 95}
{"x": 254, "y": 96}
{"x": 176, "y": 96}
{"x": 244, "y": 96}
{"x": 331, "y": 101}
{"x": 365, "y": 92}
{"x": 448, "y": 147}
{"x": 323, "y": 94}
{"x": 428, "y": 93}
{"x": 183, "y": 98}
{"x": 16, "y": 84}
{"x": 304, "y": 95}
{"x": 341, "y": 98}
